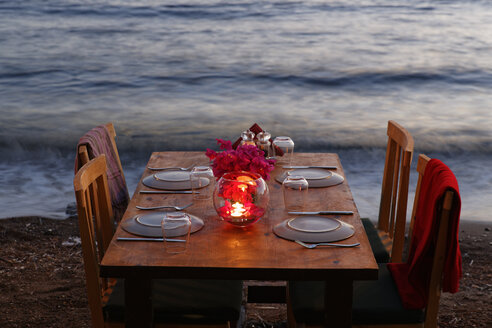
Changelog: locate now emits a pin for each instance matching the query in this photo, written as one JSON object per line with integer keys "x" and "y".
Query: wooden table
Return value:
{"x": 222, "y": 251}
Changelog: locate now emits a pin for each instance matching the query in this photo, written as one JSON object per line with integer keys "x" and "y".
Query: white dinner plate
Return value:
{"x": 150, "y": 220}
{"x": 332, "y": 179}
{"x": 283, "y": 230}
{"x": 313, "y": 224}
{"x": 152, "y": 226}
{"x": 173, "y": 176}
{"x": 311, "y": 174}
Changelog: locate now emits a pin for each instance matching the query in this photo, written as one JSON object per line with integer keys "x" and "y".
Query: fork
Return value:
{"x": 177, "y": 208}
{"x": 171, "y": 168}
{"x": 325, "y": 244}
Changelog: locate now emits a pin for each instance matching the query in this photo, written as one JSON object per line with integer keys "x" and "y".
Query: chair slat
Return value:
{"x": 388, "y": 175}
{"x": 394, "y": 190}
{"x": 421, "y": 165}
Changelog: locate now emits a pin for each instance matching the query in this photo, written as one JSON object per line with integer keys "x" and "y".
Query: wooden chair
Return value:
{"x": 377, "y": 304}
{"x": 388, "y": 237}
{"x": 206, "y": 303}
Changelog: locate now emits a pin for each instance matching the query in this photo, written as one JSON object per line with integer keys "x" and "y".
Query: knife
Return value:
{"x": 323, "y": 212}
{"x": 167, "y": 192}
{"x": 148, "y": 239}
{"x": 309, "y": 167}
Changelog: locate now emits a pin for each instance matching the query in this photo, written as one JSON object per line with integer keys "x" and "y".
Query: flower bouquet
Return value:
{"x": 244, "y": 158}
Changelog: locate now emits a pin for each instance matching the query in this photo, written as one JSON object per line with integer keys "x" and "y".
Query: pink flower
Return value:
{"x": 243, "y": 158}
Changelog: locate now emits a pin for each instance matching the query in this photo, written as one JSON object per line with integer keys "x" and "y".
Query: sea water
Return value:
{"x": 175, "y": 75}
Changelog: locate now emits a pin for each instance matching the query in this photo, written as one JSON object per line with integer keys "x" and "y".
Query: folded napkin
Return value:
{"x": 98, "y": 141}
{"x": 255, "y": 128}
{"x": 412, "y": 278}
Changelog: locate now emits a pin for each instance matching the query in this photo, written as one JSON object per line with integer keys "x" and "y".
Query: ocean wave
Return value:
{"x": 15, "y": 73}
{"x": 108, "y": 10}
{"x": 338, "y": 79}
{"x": 481, "y": 78}
{"x": 140, "y": 145}
{"x": 76, "y": 80}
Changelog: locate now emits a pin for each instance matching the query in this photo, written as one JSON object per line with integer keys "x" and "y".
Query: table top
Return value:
{"x": 222, "y": 251}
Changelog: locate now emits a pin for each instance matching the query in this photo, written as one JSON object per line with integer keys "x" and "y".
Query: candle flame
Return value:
{"x": 238, "y": 210}
{"x": 243, "y": 187}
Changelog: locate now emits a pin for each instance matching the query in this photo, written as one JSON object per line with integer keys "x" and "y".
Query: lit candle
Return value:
{"x": 238, "y": 210}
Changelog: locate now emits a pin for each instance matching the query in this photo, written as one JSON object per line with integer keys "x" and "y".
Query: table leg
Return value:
{"x": 138, "y": 302}
{"x": 338, "y": 303}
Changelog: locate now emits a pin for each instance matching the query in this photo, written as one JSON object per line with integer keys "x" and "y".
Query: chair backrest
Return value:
{"x": 117, "y": 183}
{"x": 84, "y": 153}
{"x": 394, "y": 192}
{"x": 96, "y": 228}
{"x": 436, "y": 277}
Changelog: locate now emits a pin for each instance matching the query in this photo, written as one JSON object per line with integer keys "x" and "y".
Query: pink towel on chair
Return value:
{"x": 98, "y": 141}
{"x": 413, "y": 277}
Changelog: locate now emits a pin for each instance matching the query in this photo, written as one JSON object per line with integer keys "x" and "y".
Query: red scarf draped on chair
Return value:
{"x": 412, "y": 278}
{"x": 98, "y": 141}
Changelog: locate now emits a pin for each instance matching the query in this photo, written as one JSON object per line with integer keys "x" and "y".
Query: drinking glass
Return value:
{"x": 285, "y": 145}
{"x": 295, "y": 189}
{"x": 176, "y": 228}
{"x": 202, "y": 182}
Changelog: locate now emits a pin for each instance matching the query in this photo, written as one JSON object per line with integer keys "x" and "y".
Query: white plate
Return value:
{"x": 152, "y": 226}
{"x": 150, "y": 220}
{"x": 311, "y": 174}
{"x": 313, "y": 224}
{"x": 173, "y": 176}
{"x": 343, "y": 232}
{"x": 332, "y": 180}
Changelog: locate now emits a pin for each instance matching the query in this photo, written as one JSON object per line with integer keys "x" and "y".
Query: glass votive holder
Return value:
{"x": 284, "y": 148}
{"x": 176, "y": 228}
{"x": 295, "y": 189}
{"x": 202, "y": 183}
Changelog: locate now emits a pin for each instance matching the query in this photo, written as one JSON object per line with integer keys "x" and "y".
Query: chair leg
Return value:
{"x": 291, "y": 320}
{"x": 163, "y": 325}
{"x": 418, "y": 325}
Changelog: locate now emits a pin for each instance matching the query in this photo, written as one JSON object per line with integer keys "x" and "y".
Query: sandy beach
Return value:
{"x": 42, "y": 282}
